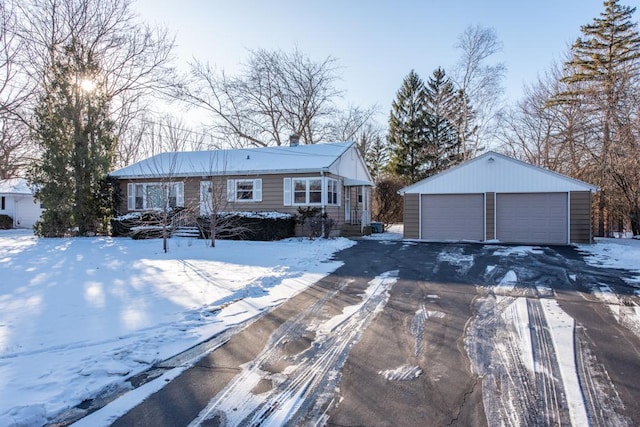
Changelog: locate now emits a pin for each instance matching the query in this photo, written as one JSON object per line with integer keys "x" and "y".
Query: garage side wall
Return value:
{"x": 580, "y": 217}
{"x": 411, "y": 216}
{"x": 490, "y": 216}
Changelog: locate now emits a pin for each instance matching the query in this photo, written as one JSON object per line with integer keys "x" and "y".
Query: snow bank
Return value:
{"x": 614, "y": 253}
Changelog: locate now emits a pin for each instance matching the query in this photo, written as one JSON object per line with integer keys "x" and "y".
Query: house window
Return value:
{"x": 155, "y": 195}
{"x": 332, "y": 192}
{"x": 311, "y": 191}
{"x": 307, "y": 191}
{"x": 244, "y": 190}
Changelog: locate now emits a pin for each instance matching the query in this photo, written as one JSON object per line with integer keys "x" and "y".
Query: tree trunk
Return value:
{"x": 212, "y": 229}
{"x": 634, "y": 218}
{"x": 601, "y": 213}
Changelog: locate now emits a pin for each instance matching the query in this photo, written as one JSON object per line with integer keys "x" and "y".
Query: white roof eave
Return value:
{"x": 225, "y": 173}
{"x": 348, "y": 182}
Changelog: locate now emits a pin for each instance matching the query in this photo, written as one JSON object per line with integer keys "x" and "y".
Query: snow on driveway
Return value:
{"x": 313, "y": 378}
{"x": 79, "y": 316}
{"x": 525, "y": 348}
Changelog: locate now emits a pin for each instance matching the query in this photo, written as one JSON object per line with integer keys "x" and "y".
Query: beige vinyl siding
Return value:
{"x": 580, "y": 217}
{"x": 192, "y": 193}
{"x": 411, "y": 216}
{"x": 122, "y": 206}
{"x": 336, "y": 213}
{"x": 490, "y": 216}
{"x": 272, "y": 194}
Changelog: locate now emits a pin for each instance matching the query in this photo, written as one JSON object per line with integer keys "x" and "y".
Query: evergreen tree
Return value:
{"x": 445, "y": 131}
{"x": 77, "y": 143}
{"x": 377, "y": 157}
{"x": 603, "y": 65}
{"x": 406, "y": 136}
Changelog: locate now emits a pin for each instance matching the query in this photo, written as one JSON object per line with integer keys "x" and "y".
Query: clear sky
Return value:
{"x": 376, "y": 43}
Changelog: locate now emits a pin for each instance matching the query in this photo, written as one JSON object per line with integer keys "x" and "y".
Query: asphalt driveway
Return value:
{"x": 426, "y": 334}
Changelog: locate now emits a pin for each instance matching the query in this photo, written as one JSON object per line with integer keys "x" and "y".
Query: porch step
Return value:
{"x": 354, "y": 230}
{"x": 186, "y": 232}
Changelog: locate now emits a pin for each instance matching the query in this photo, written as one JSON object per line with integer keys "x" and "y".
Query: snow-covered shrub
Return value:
{"x": 259, "y": 226}
{"x": 136, "y": 222}
{"x": 314, "y": 223}
{"x": 6, "y": 222}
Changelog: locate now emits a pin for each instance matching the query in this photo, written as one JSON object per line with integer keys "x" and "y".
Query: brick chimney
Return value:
{"x": 294, "y": 140}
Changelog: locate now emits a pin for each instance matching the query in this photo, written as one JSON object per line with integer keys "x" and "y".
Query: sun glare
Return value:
{"x": 87, "y": 85}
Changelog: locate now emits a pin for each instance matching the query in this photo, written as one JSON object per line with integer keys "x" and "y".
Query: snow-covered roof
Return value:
{"x": 15, "y": 186}
{"x": 494, "y": 172}
{"x": 264, "y": 160}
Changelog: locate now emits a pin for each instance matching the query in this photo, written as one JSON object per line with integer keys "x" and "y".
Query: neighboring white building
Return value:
{"x": 17, "y": 201}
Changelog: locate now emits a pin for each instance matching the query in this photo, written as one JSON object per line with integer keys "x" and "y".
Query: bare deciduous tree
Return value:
{"x": 387, "y": 203}
{"x": 352, "y": 124}
{"x": 275, "y": 95}
{"x": 554, "y": 136}
{"x": 148, "y": 135}
{"x": 134, "y": 59}
{"x": 15, "y": 148}
{"x": 481, "y": 82}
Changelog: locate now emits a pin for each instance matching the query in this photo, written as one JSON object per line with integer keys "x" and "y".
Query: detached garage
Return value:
{"x": 497, "y": 198}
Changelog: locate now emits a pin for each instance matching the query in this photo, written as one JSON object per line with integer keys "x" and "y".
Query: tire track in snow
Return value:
{"x": 625, "y": 309}
{"x": 597, "y": 392}
{"x": 410, "y": 372}
{"x": 301, "y": 392}
{"x": 548, "y": 379}
{"x": 534, "y": 369}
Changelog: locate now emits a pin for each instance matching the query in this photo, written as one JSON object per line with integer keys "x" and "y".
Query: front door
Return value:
{"x": 347, "y": 204}
{"x": 206, "y": 198}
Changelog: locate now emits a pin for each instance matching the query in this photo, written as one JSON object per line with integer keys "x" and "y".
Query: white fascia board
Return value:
{"x": 223, "y": 173}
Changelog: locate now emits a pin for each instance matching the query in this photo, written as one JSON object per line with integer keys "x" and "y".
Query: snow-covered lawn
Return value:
{"x": 81, "y": 315}
{"x": 614, "y": 253}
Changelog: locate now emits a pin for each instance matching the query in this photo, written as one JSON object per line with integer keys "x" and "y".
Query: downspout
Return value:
{"x": 16, "y": 221}
{"x": 323, "y": 196}
{"x": 364, "y": 208}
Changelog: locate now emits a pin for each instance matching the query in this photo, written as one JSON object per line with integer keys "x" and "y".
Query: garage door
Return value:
{"x": 538, "y": 218}
{"x": 452, "y": 216}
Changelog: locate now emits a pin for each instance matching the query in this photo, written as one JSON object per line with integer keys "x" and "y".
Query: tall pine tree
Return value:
{"x": 407, "y": 122}
{"x": 77, "y": 143}
{"x": 445, "y": 130}
{"x": 603, "y": 64}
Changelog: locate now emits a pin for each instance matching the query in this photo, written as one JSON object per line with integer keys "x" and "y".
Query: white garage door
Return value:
{"x": 536, "y": 218}
{"x": 452, "y": 216}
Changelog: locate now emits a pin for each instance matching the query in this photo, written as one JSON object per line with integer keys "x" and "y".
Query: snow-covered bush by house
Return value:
{"x": 6, "y": 222}
{"x": 258, "y": 226}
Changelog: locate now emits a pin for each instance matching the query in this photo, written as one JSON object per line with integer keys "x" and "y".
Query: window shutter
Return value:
{"x": 286, "y": 185}
{"x": 180, "y": 194}
{"x": 131, "y": 196}
{"x": 339, "y": 190}
{"x": 231, "y": 190}
{"x": 257, "y": 190}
